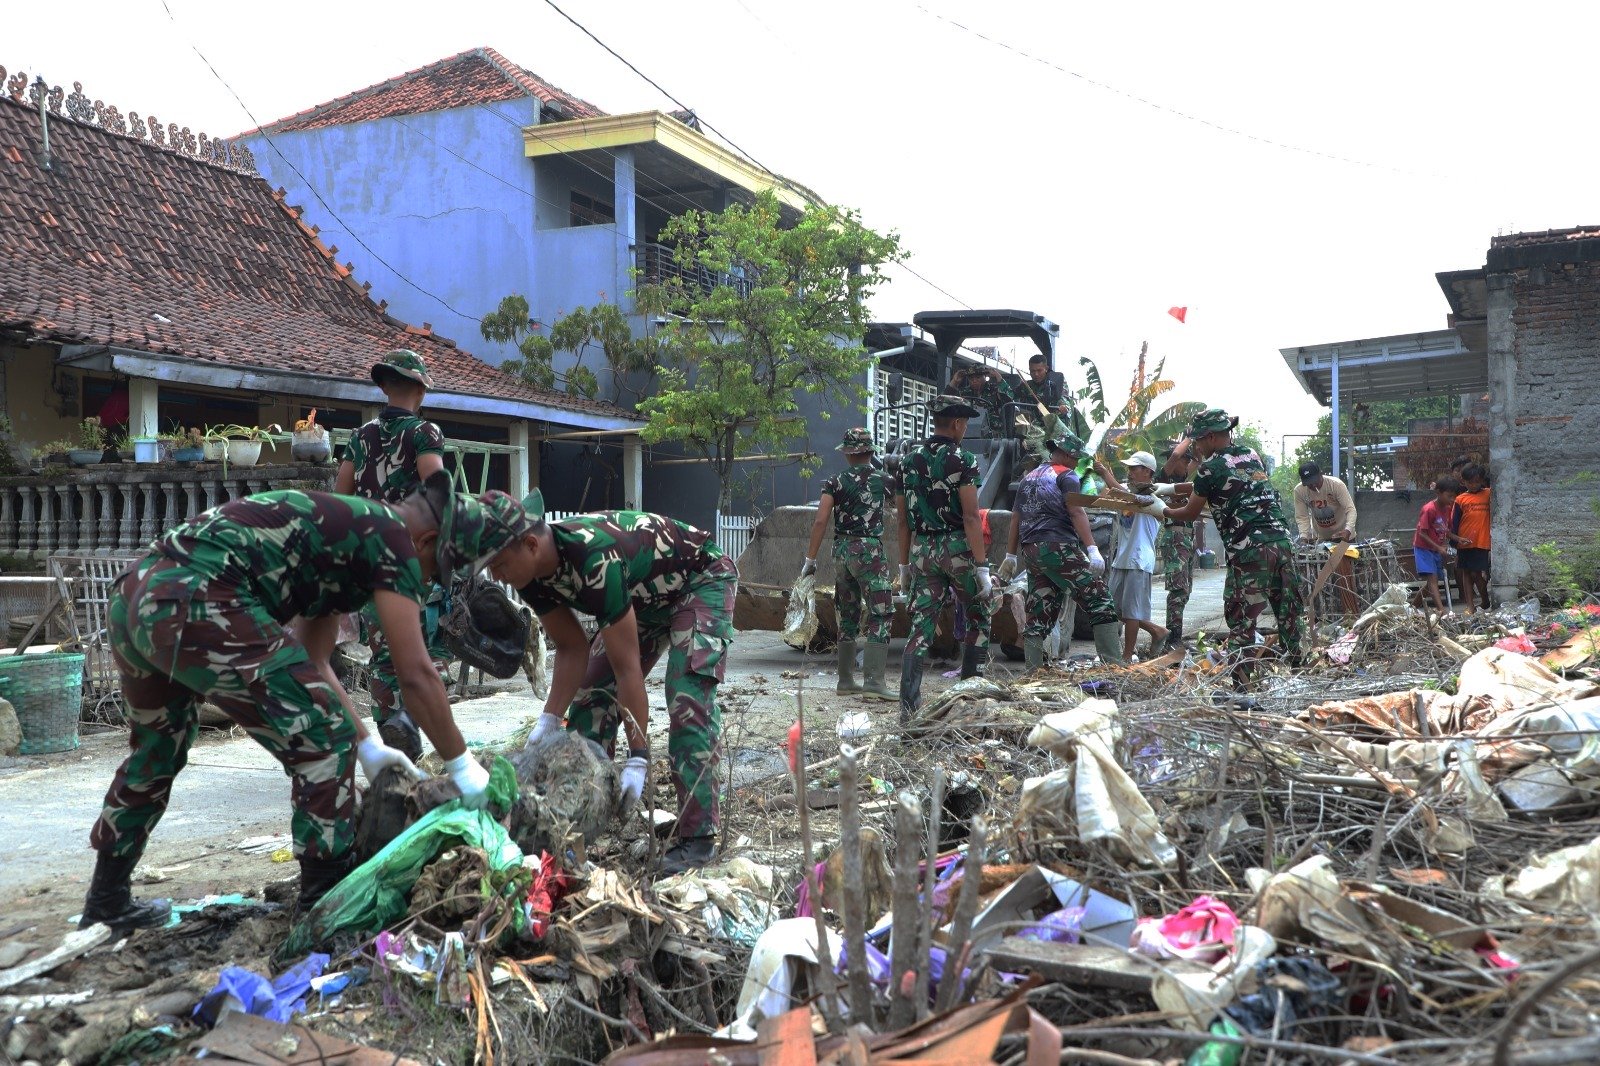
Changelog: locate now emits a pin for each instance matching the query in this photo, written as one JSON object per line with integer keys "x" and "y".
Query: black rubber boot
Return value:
{"x": 402, "y": 734}
{"x": 973, "y": 660}
{"x": 110, "y": 900}
{"x": 911, "y": 667}
{"x": 318, "y": 876}
{"x": 1174, "y": 638}
{"x": 688, "y": 854}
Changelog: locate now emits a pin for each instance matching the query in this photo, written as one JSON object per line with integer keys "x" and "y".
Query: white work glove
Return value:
{"x": 375, "y": 756}
{"x": 1097, "y": 562}
{"x": 547, "y": 725}
{"x": 1161, "y": 488}
{"x": 1152, "y": 507}
{"x": 471, "y": 778}
{"x": 633, "y": 775}
{"x": 985, "y": 586}
{"x": 1008, "y": 569}
{"x": 905, "y": 577}
{"x": 809, "y": 568}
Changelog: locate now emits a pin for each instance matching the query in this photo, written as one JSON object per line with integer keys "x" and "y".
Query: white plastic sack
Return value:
{"x": 1094, "y": 796}
{"x": 800, "y": 622}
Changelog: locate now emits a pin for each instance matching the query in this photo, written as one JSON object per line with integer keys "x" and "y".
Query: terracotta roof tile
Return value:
{"x": 477, "y": 76}
{"x": 121, "y": 231}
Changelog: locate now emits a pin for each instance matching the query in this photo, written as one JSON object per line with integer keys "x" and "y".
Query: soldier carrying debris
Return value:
{"x": 1233, "y": 482}
{"x": 1061, "y": 555}
{"x": 941, "y": 543}
{"x": 239, "y": 606}
{"x": 855, "y": 499}
{"x": 388, "y": 459}
{"x": 652, "y": 585}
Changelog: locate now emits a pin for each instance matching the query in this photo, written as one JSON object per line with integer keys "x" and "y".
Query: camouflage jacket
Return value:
{"x": 992, "y": 396}
{"x": 613, "y": 560}
{"x": 1243, "y": 503}
{"x": 931, "y": 478}
{"x": 296, "y": 553}
{"x": 385, "y": 450}
{"x": 858, "y": 495}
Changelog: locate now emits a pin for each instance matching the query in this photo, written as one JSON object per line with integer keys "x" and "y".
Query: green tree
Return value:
{"x": 1363, "y": 424}
{"x": 758, "y": 314}
{"x": 603, "y": 327}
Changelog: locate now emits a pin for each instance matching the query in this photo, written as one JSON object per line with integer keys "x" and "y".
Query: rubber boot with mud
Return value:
{"x": 688, "y": 854}
{"x": 973, "y": 659}
{"x": 875, "y": 661}
{"x": 319, "y": 875}
{"x": 1033, "y": 652}
{"x": 1108, "y": 642}
{"x": 1174, "y": 641}
{"x": 847, "y": 669}
{"x": 402, "y": 734}
{"x": 110, "y": 899}
{"x": 911, "y": 667}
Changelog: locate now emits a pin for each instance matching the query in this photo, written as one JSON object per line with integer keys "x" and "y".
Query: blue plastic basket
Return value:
{"x": 46, "y": 691}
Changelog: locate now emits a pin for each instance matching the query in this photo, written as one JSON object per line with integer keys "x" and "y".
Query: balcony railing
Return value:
{"x": 657, "y": 266}
{"x": 120, "y": 508}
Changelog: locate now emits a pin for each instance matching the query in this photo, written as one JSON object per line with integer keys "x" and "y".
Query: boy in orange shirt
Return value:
{"x": 1472, "y": 510}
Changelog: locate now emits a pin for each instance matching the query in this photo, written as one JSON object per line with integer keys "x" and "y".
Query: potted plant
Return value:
{"x": 310, "y": 440}
{"x": 91, "y": 443}
{"x": 51, "y": 453}
{"x": 244, "y": 442}
{"x": 214, "y": 443}
{"x": 186, "y": 446}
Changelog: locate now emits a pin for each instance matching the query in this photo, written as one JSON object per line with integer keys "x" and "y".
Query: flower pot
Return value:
{"x": 310, "y": 445}
{"x": 244, "y": 452}
{"x": 146, "y": 450}
{"x": 191, "y": 453}
{"x": 215, "y": 450}
{"x": 84, "y": 456}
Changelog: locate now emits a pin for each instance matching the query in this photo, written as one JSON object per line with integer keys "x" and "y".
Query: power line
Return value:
{"x": 1176, "y": 112}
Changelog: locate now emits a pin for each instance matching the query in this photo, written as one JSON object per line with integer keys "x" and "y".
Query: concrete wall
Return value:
{"x": 27, "y": 397}
{"x": 464, "y": 233}
{"x": 1544, "y": 333}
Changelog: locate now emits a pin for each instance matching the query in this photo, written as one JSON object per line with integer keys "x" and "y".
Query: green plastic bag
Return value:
{"x": 376, "y": 893}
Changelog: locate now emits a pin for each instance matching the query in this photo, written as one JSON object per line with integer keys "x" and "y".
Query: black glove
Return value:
{"x": 486, "y": 629}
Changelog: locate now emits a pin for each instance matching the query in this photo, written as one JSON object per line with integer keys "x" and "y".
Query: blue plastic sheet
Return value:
{"x": 244, "y": 990}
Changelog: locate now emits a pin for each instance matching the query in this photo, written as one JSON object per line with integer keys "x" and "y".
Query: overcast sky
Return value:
{"x": 1374, "y": 143}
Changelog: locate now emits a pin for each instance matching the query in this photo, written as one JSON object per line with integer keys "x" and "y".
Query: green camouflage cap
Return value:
{"x": 1212, "y": 420}
{"x": 406, "y": 363}
{"x": 952, "y": 407}
{"x": 1067, "y": 441}
{"x": 856, "y": 441}
{"x": 533, "y": 504}
{"x": 472, "y": 532}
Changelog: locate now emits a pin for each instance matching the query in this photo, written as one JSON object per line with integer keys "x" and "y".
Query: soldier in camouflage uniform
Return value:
{"x": 1177, "y": 545}
{"x": 1233, "y": 481}
{"x": 387, "y": 459}
{"x": 238, "y": 606}
{"x": 941, "y": 545}
{"x": 1060, "y": 553}
{"x": 987, "y": 389}
{"x": 854, "y": 500}
{"x": 653, "y": 585}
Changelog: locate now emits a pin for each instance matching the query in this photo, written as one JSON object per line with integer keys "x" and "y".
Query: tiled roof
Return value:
{"x": 128, "y": 244}
{"x": 1549, "y": 236}
{"x": 478, "y": 76}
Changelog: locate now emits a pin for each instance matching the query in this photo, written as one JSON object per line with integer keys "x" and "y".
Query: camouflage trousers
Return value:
{"x": 173, "y": 648}
{"x": 382, "y": 682}
{"x": 695, "y": 632}
{"x": 1176, "y": 545}
{"x": 1262, "y": 575}
{"x": 942, "y": 565}
{"x": 1056, "y": 571}
{"x": 861, "y": 586}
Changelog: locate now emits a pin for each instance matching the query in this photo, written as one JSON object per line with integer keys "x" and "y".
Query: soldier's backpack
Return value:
{"x": 486, "y": 629}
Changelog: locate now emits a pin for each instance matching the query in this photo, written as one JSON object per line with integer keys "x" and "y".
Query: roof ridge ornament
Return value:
{"x": 171, "y": 137}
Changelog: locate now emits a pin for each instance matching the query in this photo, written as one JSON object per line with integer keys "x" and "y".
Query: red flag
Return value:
{"x": 1179, "y": 313}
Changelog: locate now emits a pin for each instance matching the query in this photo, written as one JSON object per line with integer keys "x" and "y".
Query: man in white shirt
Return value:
{"x": 1325, "y": 512}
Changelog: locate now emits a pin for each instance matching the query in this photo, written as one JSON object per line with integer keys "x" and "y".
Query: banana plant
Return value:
{"x": 1134, "y": 428}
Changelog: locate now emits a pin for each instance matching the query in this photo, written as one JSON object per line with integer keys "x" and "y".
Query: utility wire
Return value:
{"x": 1147, "y": 102}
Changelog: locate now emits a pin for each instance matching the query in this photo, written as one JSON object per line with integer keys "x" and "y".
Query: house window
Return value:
{"x": 589, "y": 210}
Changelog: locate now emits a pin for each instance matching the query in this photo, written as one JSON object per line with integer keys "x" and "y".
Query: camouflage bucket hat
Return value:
{"x": 533, "y": 504}
{"x": 1212, "y": 420}
{"x": 856, "y": 441}
{"x": 404, "y": 362}
{"x": 952, "y": 407}
{"x": 472, "y": 532}
{"x": 1065, "y": 441}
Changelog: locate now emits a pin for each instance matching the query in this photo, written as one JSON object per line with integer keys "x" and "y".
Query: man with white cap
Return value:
{"x": 1133, "y": 560}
